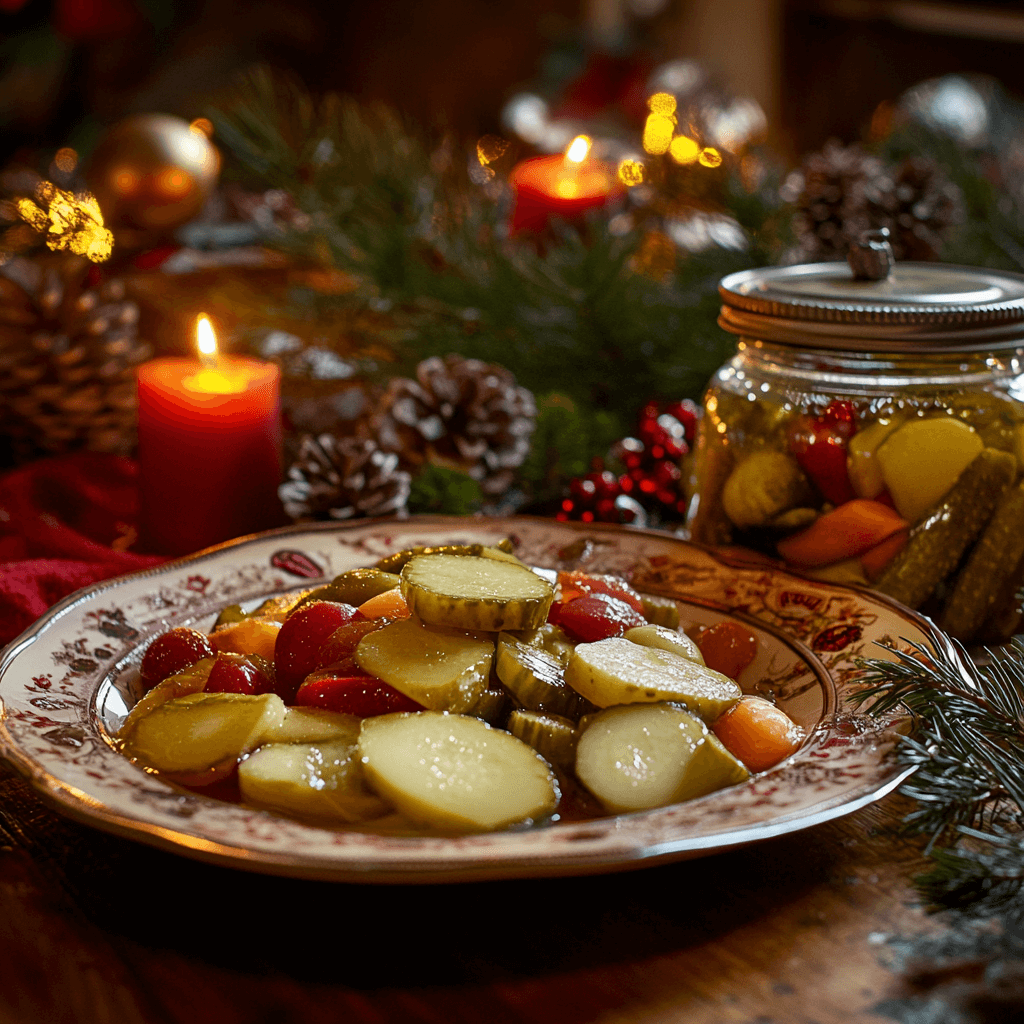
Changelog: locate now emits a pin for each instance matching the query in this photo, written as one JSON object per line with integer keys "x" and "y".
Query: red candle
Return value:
{"x": 563, "y": 186}
{"x": 209, "y": 449}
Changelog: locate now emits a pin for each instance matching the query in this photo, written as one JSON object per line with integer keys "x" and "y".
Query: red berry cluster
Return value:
{"x": 651, "y": 477}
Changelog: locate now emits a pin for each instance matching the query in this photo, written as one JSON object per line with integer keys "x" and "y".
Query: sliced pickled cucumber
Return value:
{"x": 552, "y": 736}
{"x": 618, "y": 671}
{"x": 442, "y": 669}
{"x": 232, "y": 613}
{"x": 317, "y": 725}
{"x": 641, "y": 756}
{"x": 452, "y": 771}
{"x": 947, "y": 529}
{"x": 274, "y": 608}
{"x": 502, "y": 551}
{"x": 491, "y": 706}
{"x": 664, "y": 639}
{"x": 474, "y": 592}
{"x": 536, "y": 679}
{"x": 190, "y": 680}
{"x": 352, "y": 587}
{"x": 990, "y": 565}
{"x": 315, "y": 780}
{"x": 661, "y": 611}
{"x": 200, "y": 731}
{"x": 763, "y": 486}
{"x": 549, "y": 638}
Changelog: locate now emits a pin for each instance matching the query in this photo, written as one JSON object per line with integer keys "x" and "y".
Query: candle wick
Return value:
{"x": 209, "y": 359}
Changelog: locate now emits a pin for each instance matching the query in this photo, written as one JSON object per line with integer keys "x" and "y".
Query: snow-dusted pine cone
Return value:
{"x": 839, "y": 193}
{"x": 343, "y": 478}
{"x": 460, "y": 413}
{"x": 68, "y": 352}
{"x": 925, "y": 204}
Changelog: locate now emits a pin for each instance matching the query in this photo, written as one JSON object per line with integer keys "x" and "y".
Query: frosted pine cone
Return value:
{"x": 343, "y": 478}
{"x": 461, "y": 413}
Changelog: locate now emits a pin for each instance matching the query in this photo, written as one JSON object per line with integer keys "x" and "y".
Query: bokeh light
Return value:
{"x": 631, "y": 172}
{"x": 684, "y": 150}
{"x": 658, "y": 132}
{"x": 66, "y": 159}
{"x": 710, "y": 157}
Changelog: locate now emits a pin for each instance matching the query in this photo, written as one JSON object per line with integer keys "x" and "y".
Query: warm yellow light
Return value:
{"x": 710, "y": 157}
{"x": 658, "y": 132}
{"x": 490, "y": 148}
{"x": 203, "y": 125}
{"x": 684, "y": 150}
{"x": 66, "y": 160}
{"x": 578, "y": 150}
{"x": 69, "y": 221}
{"x": 663, "y": 103}
{"x": 631, "y": 172}
{"x": 206, "y": 341}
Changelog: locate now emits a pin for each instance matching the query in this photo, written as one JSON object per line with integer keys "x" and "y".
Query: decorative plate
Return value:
{"x": 68, "y": 681}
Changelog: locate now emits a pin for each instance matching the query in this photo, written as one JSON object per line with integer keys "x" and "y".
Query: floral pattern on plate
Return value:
{"x": 68, "y": 681}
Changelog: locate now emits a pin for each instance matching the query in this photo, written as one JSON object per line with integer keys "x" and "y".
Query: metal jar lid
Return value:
{"x": 917, "y": 307}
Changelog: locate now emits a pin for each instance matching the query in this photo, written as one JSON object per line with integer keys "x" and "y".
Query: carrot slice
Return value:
{"x": 390, "y": 605}
{"x": 847, "y": 531}
{"x": 758, "y": 733}
{"x": 875, "y": 559}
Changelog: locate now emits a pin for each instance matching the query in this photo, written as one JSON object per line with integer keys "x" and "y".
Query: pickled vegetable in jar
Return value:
{"x": 871, "y": 431}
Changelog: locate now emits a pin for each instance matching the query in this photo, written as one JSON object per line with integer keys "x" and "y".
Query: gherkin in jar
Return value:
{"x": 859, "y": 418}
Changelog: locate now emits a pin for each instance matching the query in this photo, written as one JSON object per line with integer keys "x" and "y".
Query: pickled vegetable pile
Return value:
{"x": 922, "y": 502}
{"x": 454, "y": 689}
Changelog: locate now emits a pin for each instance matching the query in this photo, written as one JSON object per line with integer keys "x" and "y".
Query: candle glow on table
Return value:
{"x": 209, "y": 447}
{"x": 562, "y": 186}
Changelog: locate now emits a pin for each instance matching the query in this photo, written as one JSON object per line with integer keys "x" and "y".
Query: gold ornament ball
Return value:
{"x": 153, "y": 172}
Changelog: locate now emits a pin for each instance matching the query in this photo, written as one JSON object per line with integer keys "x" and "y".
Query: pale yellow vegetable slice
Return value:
{"x": 316, "y": 725}
{"x": 314, "y": 780}
{"x": 442, "y": 669}
{"x": 191, "y": 680}
{"x": 923, "y": 459}
{"x": 641, "y": 756}
{"x": 455, "y": 772}
{"x": 192, "y": 734}
{"x": 862, "y": 464}
{"x": 475, "y": 592}
{"x": 618, "y": 671}
{"x": 663, "y": 639}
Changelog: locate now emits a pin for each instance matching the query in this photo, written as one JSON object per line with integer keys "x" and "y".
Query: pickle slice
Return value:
{"x": 474, "y": 592}
{"x": 940, "y": 539}
{"x": 618, "y": 671}
{"x": 314, "y": 780}
{"x": 502, "y": 551}
{"x": 352, "y": 587}
{"x": 536, "y": 679}
{"x": 648, "y": 755}
{"x": 661, "y": 611}
{"x": 991, "y": 564}
{"x": 553, "y": 737}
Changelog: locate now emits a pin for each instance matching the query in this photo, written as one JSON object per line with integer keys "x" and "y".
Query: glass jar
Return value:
{"x": 872, "y": 432}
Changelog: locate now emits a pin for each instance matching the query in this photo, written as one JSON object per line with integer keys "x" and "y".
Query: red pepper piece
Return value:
{"x": 821, "y": 452}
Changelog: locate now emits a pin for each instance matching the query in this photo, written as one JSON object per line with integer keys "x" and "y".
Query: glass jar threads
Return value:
{"x": 871, "y": 431}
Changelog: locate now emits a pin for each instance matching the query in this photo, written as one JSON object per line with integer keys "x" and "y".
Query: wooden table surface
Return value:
{"x": 95, "y": 928}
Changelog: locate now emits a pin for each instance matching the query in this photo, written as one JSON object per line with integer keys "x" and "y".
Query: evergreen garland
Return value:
{"x": 409, "y": 223}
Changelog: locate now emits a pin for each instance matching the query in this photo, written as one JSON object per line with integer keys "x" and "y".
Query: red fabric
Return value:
{"x": 64, "y": 523}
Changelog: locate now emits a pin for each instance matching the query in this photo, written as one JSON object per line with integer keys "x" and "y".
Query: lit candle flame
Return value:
{"x": 206, "y": 342}
{"x": 578, "y": 150}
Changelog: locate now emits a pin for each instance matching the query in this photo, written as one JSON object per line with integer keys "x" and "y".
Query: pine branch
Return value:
{"x": 968, "y": 751}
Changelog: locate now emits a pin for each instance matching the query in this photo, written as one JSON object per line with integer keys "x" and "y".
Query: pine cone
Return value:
{"x": 839, "y": 193}
{"x": 342, "y": 478}
{"x": 460, "y": 413}
{"x": 68, "y": 352}
{"x": 924, "y": 205}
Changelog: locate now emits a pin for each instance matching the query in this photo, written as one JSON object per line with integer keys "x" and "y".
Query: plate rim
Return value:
{"x": 568, "y": 860}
